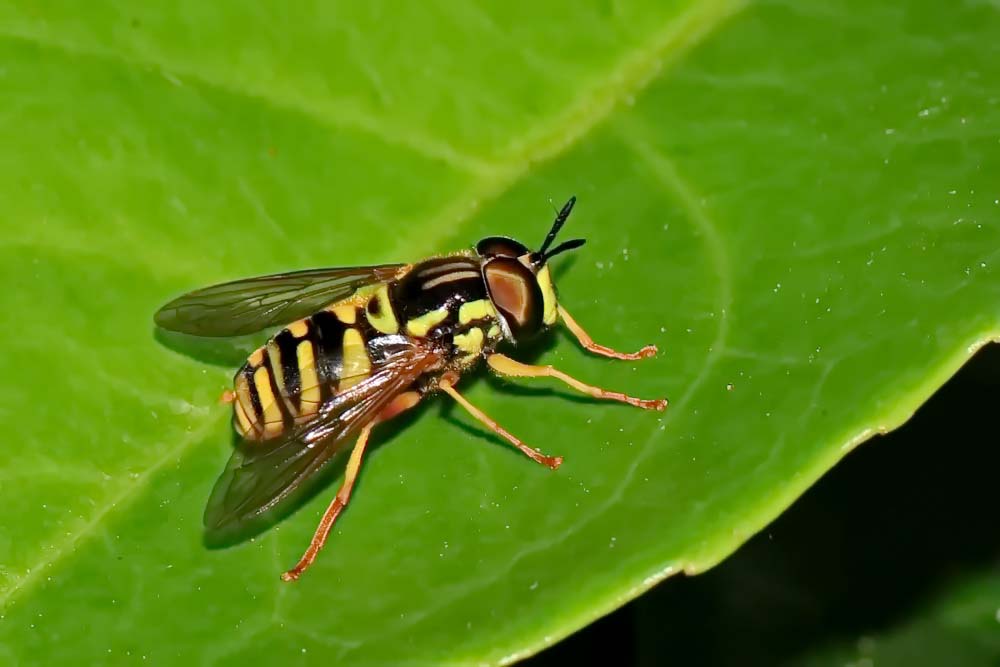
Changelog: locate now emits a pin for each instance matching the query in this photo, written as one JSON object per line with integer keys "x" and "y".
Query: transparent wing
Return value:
{"x": 244, "y": 306}
{"x": 261, "y": 475}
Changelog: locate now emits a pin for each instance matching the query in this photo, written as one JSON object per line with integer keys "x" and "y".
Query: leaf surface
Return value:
{"x": 796, "y": 201}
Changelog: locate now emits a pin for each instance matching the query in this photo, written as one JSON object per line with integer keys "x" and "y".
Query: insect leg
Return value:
{"x": 338, "y": 504}
{"x": 401, "y": 403}
{"x": 552, "y": 462}
{"x": 506, "y": 366}
{"x": 588, "y": 343}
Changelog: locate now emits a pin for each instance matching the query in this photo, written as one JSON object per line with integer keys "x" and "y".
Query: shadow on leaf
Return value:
{"x": 231, "y": 352}
{"x": 332, "y": 470}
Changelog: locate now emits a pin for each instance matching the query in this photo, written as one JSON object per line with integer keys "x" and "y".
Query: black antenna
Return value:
{"x": 563, "y": 247}
{"x": 556, "y": 226}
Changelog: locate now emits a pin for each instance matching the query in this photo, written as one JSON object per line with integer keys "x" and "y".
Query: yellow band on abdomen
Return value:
{"x": 357, "y": 365}
{"x": 273, "y": 421}
{"x": 308, "y": 381}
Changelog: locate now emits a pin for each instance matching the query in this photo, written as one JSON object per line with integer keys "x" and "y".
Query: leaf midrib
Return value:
{"x": 542, "y": 144}
{"x": 331, "y": 116}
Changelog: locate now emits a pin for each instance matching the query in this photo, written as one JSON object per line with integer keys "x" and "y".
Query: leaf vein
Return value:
{"x": 54, "y": 552}
{"x": 335, "y": 116}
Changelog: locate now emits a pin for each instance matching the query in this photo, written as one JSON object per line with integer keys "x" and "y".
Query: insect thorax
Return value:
{"x": 445, "y": 299}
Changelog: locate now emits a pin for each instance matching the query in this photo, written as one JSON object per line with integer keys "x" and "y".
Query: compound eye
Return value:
{"x": 516, "y": 295}
{"x": 500, "y": 246}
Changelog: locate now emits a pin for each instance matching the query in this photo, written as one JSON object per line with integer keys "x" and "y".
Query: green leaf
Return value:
{"x": 797, "y": 202}
{"x": 960, "y": 626}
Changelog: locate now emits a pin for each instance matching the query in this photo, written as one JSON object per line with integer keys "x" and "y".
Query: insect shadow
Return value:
{"x": 325, "y": 480}
{"x": 228, "y": 352}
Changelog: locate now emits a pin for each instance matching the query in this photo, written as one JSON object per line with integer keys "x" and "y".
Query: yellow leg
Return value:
{"x": 506, "y": 366}
{"x": 552, "y": 462}
{"x": 588, "y": 343}
{"x": 333, "y": 511}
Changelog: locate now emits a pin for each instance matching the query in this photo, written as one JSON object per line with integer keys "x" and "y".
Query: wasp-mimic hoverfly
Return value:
{"x": 361, "y": 345}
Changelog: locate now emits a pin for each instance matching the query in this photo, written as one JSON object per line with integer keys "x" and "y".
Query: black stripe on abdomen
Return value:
{"x": 272, "y": 380}
{"x": 287, "y": 345}
{"x": 328, "y": 338}
{"x": 258, "y": 409}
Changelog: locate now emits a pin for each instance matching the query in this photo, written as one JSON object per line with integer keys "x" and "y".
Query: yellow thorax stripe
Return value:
{"x": 471, "y": 342}
{"x": 463, "y": 263}
{"x": 420, "y": 326}
{"x": 476, "y": 310}
{"x": 449, "y": 278}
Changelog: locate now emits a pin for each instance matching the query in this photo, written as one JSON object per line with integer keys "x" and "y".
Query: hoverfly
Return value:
{"x": 359, "y": 346}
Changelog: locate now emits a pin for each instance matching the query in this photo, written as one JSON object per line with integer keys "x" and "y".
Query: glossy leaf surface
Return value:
{"x": 797, "y": 202}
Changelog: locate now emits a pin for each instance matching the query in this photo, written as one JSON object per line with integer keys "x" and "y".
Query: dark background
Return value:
{"x": 889, "y": 527}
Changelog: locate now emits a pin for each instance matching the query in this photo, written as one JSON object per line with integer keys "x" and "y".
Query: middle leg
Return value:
{"x": 506, "y": 366}
{"x": 552, "y": 462}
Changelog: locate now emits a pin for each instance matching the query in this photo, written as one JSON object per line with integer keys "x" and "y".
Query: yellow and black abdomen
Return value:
{"x": 285, "y": 382}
